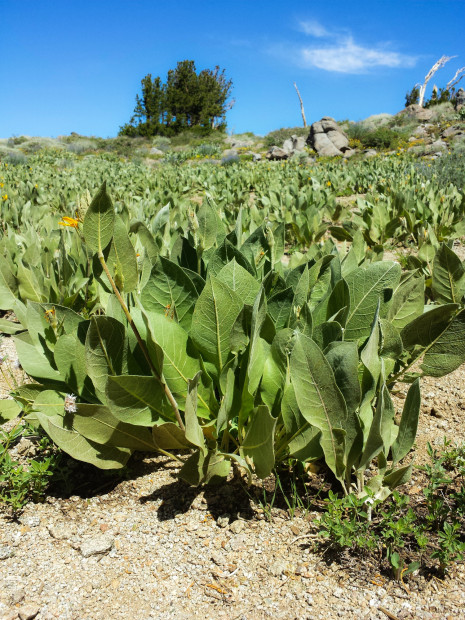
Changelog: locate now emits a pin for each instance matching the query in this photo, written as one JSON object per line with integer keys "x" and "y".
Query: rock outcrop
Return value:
{"x": 327, "y": 138}
{"x": 291, "y": 146}
{"x": 417, "y": 112}
{"x": 460, "y": 99}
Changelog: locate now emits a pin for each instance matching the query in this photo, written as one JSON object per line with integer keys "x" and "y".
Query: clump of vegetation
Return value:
{"x": 380, "y": 138}
{"x": 186, "y": 100}
{"x": 429, "y": 533}
{"x": 446, "y": 170}
{"x": 277, "y": 137}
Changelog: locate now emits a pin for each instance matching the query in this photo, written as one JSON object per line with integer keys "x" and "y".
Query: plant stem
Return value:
{"x": 168, "y": 393}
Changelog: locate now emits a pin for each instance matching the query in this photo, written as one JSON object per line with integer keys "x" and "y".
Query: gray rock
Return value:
{"x": 420, "y": 132}
{"x": 371, "y": 152}
{"x": 155, "y": 151}
{"x": 294, "y": 144}
{"x": 327, "y": 138}
{"x": 28, "y": 612}
{"x": 238, "y": 143}
{"x": 223, "y": 521}
{"x": 218, "y": 558}
{"x": 277, "y": 568}
{"x": 417, "y": 112}
{"x": 237, "y": 527}
{"x": 31, "y": 521}
{"x": 17, "y": 596}
{"x": 460, "y": 99}
{"x": 256, "y": 157}
{"x": 11, "y": 614}
{"x": 348, "y": 153}
{"x": 60, "y": 531}
{"x": 6, "y": 552}
{"x": 277, "y": 154}
{"x": 450, "y": 132}
{"x": 229, "y": 153}
{"x": 98, "y": 545}
{"x": 439, "y": 145}
{"x": 26, "y": 448}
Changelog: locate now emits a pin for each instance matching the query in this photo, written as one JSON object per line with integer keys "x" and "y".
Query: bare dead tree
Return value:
{"x": 454, "y": 81}
{"x": 301, "y": 105}
{"x": 437, "y": 65}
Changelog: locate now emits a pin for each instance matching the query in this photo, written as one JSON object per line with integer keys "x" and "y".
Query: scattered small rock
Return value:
{"x": 60, "y": 531}
{"x": 237, "y": 527}
{"x": 98, "y": 545}
{"x": 6, "y": 552}
{"x": 28, "y": 612}
{"x": 223, "y": 521}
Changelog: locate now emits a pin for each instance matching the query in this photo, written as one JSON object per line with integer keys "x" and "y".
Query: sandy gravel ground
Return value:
{"x": 152, "y": 547}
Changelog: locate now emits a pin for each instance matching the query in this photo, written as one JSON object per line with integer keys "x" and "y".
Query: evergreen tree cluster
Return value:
{"x": 185, "y": 101}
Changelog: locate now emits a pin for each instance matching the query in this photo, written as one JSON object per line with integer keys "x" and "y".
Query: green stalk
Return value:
{"x": 168, "y": 393}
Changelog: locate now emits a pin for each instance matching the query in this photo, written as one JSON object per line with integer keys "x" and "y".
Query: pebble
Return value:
{"x": 98, "y": 545}
{"x": 28, "y": 612}
{"x": 60, "y": 531}
{"x": 223, "y": 520}
{"x": 6, "y": 552}
{"x": 237, "y": 527}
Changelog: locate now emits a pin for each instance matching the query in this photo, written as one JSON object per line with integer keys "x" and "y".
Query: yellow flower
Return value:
{"x": 5, "y": 196}
{"x": 69, "y": 221}
{"x": 328, "y": 183}
{"x": 36, "y": 186}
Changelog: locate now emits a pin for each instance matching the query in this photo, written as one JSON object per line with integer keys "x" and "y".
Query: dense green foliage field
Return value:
{"x": 243, "y": 313}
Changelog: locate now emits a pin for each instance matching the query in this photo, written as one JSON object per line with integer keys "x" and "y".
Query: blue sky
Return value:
{"x": 76, "y": 65}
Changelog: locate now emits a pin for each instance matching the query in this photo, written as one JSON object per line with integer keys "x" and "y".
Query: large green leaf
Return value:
{"x": 9, "y": 409}
{"x": 33, "y": 360}
{"x": 122, "y": 261}
{"x": 179, "y": 365}
{"x": 319, "y": 398}
{"x": 448, "y": 350}
{"x": 8, "y": 286}
{"x": 214, "y": 315}
{"x": 408, "y": 424}
{"x": 275, "y": 368}
{"x": 169, "y": 436}
{"x": 407, "y": 302}
{"x": 106, "y": 351}
{"x": 259, "y": 348}
{"x": 280, "y": 306}
{"x": 138, "y": 400}
{"x": 60, "y": 429}
{"x": 70, "y": 358}
{"x": 448, "y": 283}
{"x": 96, "y": 423}
{"x": 194, "y": 433}
{"x": 208, "y": 225}
{"x": 170, "y": 291}
{"x": 224, "y": 254}
{"x": 258, "y": 443}
{"x": 426, "y": 328}
{"x": 99, "y": 221}
{"x": 367, "y": 286}
{"x": 240, "y": 281}
{"x": 343, "y": 359}
{"x": 380, "y": 432}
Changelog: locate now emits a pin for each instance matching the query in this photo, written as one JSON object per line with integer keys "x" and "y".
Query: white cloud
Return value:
{"x": 340, "y": 53}
{"x": 348, "y": 57}
{"x": 314, "y": 29}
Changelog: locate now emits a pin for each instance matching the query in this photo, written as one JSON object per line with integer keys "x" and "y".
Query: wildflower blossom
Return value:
{"x": 5, "y": 197}
{"x": 69, "y": 221}
{"x": 70, "y": 403}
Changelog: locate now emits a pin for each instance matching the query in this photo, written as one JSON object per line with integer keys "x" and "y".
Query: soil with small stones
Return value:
{"x": 152, "y": 547}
